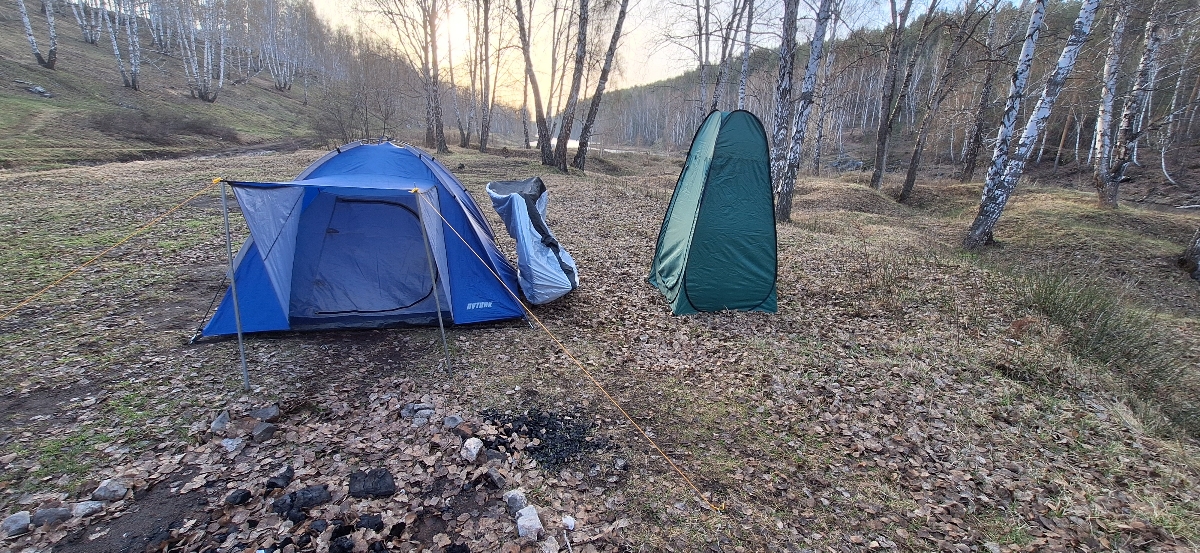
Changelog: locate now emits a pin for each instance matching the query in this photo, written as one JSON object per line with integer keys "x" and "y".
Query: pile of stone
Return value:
{"x": 21, "y": 522}
{"x": 257, "y": 425}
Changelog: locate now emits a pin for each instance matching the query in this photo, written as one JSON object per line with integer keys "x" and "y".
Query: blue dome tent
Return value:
{"x": 369, "y": 235}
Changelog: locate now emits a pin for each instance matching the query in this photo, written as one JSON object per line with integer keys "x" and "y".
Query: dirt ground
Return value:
{"x": 905, "y": 396}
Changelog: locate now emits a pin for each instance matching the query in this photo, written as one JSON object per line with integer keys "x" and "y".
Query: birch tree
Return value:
{"x": 787, "y": 185}
{"x": 202, "y": 38}
{"x": 1007, "y": 169}
{"x": 483, "y": 42}
{"x": 945, "y": 82}
{"x": 568, "y": 114}
{"x": 415, "y": 23}
{"x": 585, "y": 134}
{"x": 781, "y": 131}
{"x": 891, "y": 74}
{"x": 543, "y": 129}
{"x": 87, "y": 16}
{"x": 728, "y": 41}
{"x": 51, "y": 56}
{"x": 1114, "y": 159}
{"x": 122, "y": 14}
{"x": 1102, "y": 143}
{"x": 745, "y": 73}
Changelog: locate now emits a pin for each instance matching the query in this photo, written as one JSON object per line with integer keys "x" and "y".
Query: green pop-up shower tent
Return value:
{"x": 717, "y": 249}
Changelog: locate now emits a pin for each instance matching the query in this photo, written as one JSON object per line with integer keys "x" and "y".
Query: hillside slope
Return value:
{"x": 91, "y": 117}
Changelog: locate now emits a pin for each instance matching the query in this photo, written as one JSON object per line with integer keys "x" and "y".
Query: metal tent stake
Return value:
{"x": 237, "y": 312}
{"x": 433, "y": 275}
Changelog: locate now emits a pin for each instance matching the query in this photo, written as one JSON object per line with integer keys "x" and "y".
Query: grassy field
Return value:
{"x": 908, "y": 395}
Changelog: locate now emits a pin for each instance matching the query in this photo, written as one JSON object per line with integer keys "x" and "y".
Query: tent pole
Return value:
{"x": 237, "y": 313}
{"x": 433, "y": 276}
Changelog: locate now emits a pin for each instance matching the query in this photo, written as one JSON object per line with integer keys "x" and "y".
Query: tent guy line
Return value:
{"x": 84, "y": 265}
{"x": 586, "y": 372}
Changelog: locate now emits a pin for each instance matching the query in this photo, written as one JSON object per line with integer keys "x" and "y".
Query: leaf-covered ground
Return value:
{"x": 906, "y": 396}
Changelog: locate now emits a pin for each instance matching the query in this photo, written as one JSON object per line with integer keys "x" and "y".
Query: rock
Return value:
{"x": 419, "y": 422}
{"x": 374, "y": 483}
{"x": 263, "y": 432}
{"x": 620, "y": 464}
{"x": 269, "y": 413}
{"x": 282, "y": 479}
{"x": 423, "y": 414}
{"x": 496, "y": 479}
{"x": 397, "y": 530}
{"x": 307, "y": 498}
{"x": 54, "y": 515}
{"x": 452, "y": 421}
{"x": 296, "y": 515}
{"x": 237, "y": 497}
{"x": 470, "y": 449}
{"x": 318, "y": 525}
{"x": 343, "y": 544}
{"x": 370, "y": 522}
{"x": 284, "y": 503}
{"x": 410, "y": 410}
{"x": 992, "y": 547}
{"x": 457, "y": 548}
{"x": 515, "y": 499}
{"x": 85, "y": 509}
{"x": 494, "y": 455}
{"x": 15, "y": 524}
{"x": 312, "y": 496}
{"x": 464, "y": 430}
{"x": 568, "y": 522}
{"x": 232, "y": 444}
{"x": 549, "y": 546}
{"x": 528, "y": 523}
{"x": 220, "y": 423}
{"x": 110, "y": 490}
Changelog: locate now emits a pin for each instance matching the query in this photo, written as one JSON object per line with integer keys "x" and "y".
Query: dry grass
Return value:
{"x": 906, "y": 394}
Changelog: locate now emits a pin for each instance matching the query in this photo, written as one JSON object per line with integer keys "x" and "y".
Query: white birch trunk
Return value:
{"x": 585, "y": 134}
{"x": 787, "y": 186}
{"x": 114, "y": 12}
{"x": 51, "y": 57}
{"x": 782, "y": 120}
{"x": 1102, "y": 146}
{"x": 1111, "y": 171}
{"x": 133, "y": 40}
{"x": 745, "y": 74}
{"x": 997, "y": 190}
{"x": 568, "y": 114}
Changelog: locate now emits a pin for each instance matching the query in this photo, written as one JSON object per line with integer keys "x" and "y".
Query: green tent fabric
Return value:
{"x": 717, "y": 249}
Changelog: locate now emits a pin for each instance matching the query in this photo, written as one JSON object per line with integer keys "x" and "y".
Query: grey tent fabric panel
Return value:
{"x": 545, "y": 270}
{"x": 274, "y": 229}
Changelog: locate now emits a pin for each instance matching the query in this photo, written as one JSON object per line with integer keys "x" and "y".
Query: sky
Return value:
{"x": 643, "y": 56}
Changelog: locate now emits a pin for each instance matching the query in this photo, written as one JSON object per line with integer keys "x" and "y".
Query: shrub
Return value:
{"x": 162, "y": 129}
{"x": 1131, "y": 344}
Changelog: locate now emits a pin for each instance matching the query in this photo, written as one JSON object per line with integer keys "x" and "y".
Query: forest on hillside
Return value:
{"x": 1100, "y": 86}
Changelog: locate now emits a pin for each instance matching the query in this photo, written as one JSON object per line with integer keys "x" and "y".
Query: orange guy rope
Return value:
{"x": 571, "y": 356}
{"x": 136, "y": 232}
